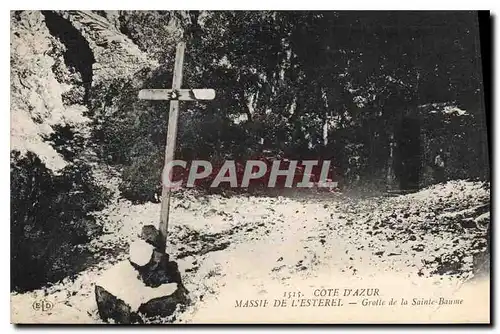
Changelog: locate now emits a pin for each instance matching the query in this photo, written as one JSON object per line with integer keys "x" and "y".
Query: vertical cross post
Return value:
{"x": 173, "y": 115}
{"x": 174, "y": 95}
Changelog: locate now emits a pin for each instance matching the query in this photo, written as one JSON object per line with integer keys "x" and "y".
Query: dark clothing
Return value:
{"x": 439, "y": 174}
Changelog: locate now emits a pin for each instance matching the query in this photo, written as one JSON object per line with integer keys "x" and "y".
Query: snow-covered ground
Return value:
{"x": 262, "y": 247}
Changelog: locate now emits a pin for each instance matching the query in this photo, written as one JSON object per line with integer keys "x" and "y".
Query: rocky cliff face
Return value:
{"x": 115, "y": 54}
{"x": 60, "y": 63}
{"x": 57, "y": 58}
{"x": 36, "y": 94}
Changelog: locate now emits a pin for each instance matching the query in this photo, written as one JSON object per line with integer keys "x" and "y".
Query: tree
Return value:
{"x": 324, "y": 84}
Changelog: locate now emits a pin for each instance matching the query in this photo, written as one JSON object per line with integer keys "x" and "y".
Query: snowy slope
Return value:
{"x": 258, "y": 243}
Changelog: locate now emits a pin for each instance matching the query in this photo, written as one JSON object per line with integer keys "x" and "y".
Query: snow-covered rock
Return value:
{"x": 124, "y": 298}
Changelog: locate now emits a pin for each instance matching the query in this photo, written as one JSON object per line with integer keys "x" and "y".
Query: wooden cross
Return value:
{"x": 173, "y": 95}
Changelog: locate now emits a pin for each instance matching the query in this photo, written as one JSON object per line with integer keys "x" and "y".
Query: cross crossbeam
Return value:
{"x": 180, "y": 94}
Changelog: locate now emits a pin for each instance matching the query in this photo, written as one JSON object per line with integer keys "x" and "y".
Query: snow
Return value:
{"x": 261, "y": 246}
{"x": 140, "y": 252}
{"x": 36, "y": 102}
{"x": 122, "y": 282}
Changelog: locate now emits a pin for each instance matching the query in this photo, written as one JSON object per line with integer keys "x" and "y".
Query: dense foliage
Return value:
{"x": 303, "y": 84}
{"x": 50, "y": 214}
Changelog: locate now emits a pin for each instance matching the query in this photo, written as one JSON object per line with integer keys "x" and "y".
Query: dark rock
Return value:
{"x": 111, "y": 307}
{"x": 123, "y": 297}
{"x": 193, "y": 269}
{"x": 151, "y": 235}
{"x": 164, "y": 306}
{"x": 468, "y": 223}
{"x": 160, "y": 271}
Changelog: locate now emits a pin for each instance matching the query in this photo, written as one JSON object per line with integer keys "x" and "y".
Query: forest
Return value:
{"x": 303, "y": 85}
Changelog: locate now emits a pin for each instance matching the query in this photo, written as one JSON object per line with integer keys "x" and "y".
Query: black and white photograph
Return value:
{"x": 249, "y": 167}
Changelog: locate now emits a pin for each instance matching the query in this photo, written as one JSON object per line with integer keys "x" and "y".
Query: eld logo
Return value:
{"x": 42, "y": 305}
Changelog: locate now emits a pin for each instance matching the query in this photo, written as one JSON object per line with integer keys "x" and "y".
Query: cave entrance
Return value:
{"x": 408, "y": 153}
{"x": 78, "y": 56}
